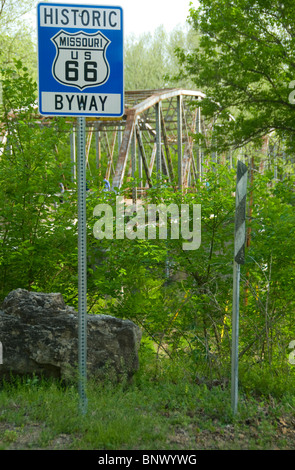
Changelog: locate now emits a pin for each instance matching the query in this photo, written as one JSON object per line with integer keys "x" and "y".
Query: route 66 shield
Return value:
{"x": 80, "y": 59}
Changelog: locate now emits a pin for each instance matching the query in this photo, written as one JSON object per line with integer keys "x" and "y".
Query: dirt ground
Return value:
{"x": 35, "y": 436}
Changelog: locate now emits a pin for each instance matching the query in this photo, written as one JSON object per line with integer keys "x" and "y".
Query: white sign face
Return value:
{"x": 80, "y": 52}
{"x": 80, "y": 59}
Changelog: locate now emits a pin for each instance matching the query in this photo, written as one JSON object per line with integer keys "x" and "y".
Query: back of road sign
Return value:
{"x": 80, "y": 60}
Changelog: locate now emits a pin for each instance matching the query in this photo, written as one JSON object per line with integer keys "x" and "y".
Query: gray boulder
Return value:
{"x": 39, "y": 335}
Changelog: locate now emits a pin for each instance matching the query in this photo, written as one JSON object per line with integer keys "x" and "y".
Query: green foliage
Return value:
{"x": 150, "y": 60}
{"x": 12, "y": 12}
{"x": 268, "y": 298}
{"x": 266, "y": 381}
{"x": 16, "y": 35}
{"x": 37, "y": 241}
{"x": 183, "y": 299}
{"x": 19, "y": 46}
{"x": 244, "y": 64}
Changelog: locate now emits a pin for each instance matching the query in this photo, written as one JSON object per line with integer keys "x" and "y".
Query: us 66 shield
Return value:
{"x": 80, "y": 60}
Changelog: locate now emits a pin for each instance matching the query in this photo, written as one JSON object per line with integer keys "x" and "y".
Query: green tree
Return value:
{"x": 20, "y": 46}
{"x": 16, "y": 35}
{"x": 245, "y": 64}
{"x": 12, "y": 12}
{"x": 36, "y": 229}
{"x": 150, "y": 60}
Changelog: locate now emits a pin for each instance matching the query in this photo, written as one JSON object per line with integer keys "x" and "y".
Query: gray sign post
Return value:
{"x": 239, "y": 258}
{"x": 82, "y": 267}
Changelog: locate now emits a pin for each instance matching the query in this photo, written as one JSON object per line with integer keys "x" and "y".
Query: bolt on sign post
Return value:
{"x": 239, "y": 258}
{"x": 80, "y": 74}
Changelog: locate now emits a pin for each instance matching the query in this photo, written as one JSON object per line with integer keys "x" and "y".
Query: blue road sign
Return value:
{"x": 80, "y": 60}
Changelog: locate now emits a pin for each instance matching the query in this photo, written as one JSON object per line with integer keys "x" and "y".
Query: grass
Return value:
{"x": 161, "y": 409}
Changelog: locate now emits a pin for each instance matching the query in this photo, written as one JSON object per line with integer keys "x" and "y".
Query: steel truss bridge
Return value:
{"x": 153, "y": 141}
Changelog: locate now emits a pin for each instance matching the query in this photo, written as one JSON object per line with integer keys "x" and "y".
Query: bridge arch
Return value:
{"x": 153, "y": 139}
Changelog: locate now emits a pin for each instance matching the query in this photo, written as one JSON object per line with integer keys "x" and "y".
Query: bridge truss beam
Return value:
{"x": 153, "y": 139}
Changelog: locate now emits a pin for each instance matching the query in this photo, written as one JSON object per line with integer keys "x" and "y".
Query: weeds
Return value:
{"x": 163, "y": 408}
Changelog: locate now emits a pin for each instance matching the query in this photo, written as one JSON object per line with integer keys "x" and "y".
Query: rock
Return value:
{"x": 39, "y": 335}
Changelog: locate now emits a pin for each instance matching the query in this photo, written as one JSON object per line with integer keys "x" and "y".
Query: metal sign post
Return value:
{"x": 80, "y": 74}
{"x": 82, "y": 267}
{"x": 239, "y": 258}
